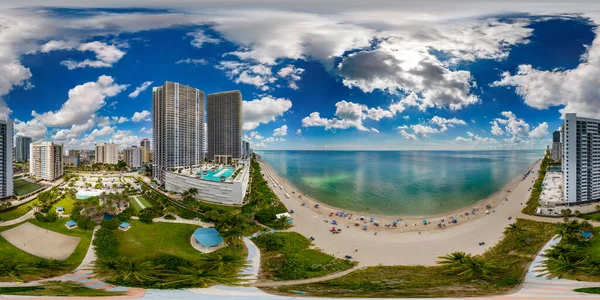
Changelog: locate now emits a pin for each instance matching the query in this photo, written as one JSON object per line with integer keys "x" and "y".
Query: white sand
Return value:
{"x": 41, "y": 242}
{"x": 411, "y": 245}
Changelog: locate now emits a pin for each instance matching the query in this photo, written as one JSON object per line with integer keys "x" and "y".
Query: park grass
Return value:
{"x": 286, "y": 256}
{"x": 144, "y": 201}
{"x": 18, "y": 211}
{"x": 146, "y": 241}
{"x": 56, "y": 289}
{"x": 512, "y": 255}
{"x": 66, "y": 203}
{"x": 24, "y": 187}
{"x": 588, "y": 290}
{"x": 591, "y": 217}
{"x": 135, "y": 205}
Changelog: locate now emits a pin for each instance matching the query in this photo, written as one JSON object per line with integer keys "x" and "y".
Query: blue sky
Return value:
{"x": 326, "y": 79}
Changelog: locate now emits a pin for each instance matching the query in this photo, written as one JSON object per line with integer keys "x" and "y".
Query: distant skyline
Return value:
{"x": 331, "y": 76}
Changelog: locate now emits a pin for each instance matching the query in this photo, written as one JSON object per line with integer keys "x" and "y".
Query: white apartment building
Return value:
{"x": 6, "y": 158}
{"x": 178, "y": 128}
{"x": 133, "y": 157}
{"x": 581, "y": 159}
{"x": 45, "y": 161}
{"x": 107, "y": 153}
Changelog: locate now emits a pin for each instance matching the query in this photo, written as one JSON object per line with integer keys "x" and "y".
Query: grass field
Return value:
{"x": 146, "y": 241}
{"x": 66, "y": 203}
{"x": 57, "y": 289}
{"x": 23, "y": 187}
{"x": 511, "y": 257}
{"x": 135, "y": 205}
{"x": 16, "y": 212}
{"x": 8, "y": 250}
{"x": 144, "y": 201}
{"x": 286, "y": 256}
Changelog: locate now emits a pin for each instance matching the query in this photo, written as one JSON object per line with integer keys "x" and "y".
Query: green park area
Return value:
{"x": 56, "y": 289}
{"x": 145, "y": 241}
{"x": 24, "y": 187}
{"x": 287, "y": 256}
{"x": 18, "y": 211}
{"x": 136, "y": 206}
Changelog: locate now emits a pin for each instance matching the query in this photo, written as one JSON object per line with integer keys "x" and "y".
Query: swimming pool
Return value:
{"x": 217, "y": 174}
{"x": 86, "y": 194}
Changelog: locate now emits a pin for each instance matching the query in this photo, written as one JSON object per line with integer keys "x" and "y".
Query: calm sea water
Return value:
{"x": 400, "y": 182}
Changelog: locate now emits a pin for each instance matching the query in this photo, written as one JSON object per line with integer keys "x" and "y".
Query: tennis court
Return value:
{"x": 41, "y": 242}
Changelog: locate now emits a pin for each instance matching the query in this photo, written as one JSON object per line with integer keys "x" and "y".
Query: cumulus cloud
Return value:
{"x": 140, "y": 89}
{"x": 299, "y": 131}
{"x": 259, "y": 75}
{"x": 440, "y": 124}
{"x": 471, "y": 137}
{"x": 264, "y": 110}
{"x": 84, "y": 101}
{"x": 281, "y": 131}
{"x": 119, "y": 120}
{"x": 349, "y": 115}
{"x": 291, "y": 74}
{"x": 517, "y": 127}
{"x": 143, "y": 115}
{"x": 146, "y": 130}
{"x": 575, "y": 90}
{"x": 106, "y": 56}
{"x": 408, "y": 136}
{"x": 32, "y": 128}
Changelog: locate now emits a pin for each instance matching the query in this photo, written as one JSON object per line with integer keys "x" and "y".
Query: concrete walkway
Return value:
{"x": 181, "y": 220}
{"x": 305, "y": 281}
{"x": 252, "y": 270}
{"x": 27, "y": 216}
{"x": 90, "y": 255}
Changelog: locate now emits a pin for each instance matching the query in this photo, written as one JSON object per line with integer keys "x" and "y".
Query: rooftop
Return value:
{"x": 208, "y": 237}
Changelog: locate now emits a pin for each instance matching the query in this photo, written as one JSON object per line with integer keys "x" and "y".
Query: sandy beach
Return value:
{"x": 412, "y": 242}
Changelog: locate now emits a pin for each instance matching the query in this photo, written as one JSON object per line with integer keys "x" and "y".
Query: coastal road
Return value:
{"x": 394, "y": 247}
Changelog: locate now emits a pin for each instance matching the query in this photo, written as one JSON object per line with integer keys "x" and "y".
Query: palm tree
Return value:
{"x": 282, "y": 222}
{"x": 569, "y": 230}
{"x": 565, "y": 265}
{"x": 227, "y": 261}
{"x": 197, "y": 277}
{"x": 476, "y": 267}
{"x": 233, "y": 236}
{"x": 128, "y": 270}
{"x": 514, "y": 230}
{"x": 212, "y": 214}
{"x": 171, "y": 211}
{"x": 454, "y": 258}
{"x": 106, "y": 267}
{"x": 15, "y": 270}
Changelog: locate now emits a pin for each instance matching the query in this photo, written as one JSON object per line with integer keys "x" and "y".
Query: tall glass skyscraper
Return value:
{"x": 178, "y": 127}
{"x": 224, "y": 119}
{"x": 22, "y": 148}
{"x": 6, "y": 159}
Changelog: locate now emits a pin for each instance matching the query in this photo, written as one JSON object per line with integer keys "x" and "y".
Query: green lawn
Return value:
{"x": 512, "y": 256}
{"x": 146, "y": 241}
{"x": 286, "y": 256}
{"x": 593, "y": 217}
{"x": 589, "y": 290}
{"x": 66, "y": 203}
{"x": 144, "y": 201}
{"x": 57, "y": 289}
{"x": 135, "y": 205}
{"x": 23, "y": 187}
{"x": 16, "y": 212}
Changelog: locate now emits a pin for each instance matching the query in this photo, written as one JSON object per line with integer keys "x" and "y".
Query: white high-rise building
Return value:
{"x": 133, "y": 157}
{"x": 581, "y": 159}
{"x": 6, "y": 158}
{"x": 178, "y": 128}
{"x": 45, "y": 161}
{"x": 107, "y": 153}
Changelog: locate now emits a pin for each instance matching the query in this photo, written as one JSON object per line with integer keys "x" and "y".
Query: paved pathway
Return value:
{"x": 90, "y": 255}
{"x": 252, "y": 270}
{"x": 181, "y": 220}
{"x": 27, "y": 216}
{"x": 305, "y": 281}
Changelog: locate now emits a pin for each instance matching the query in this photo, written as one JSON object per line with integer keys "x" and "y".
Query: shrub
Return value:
{"x": 85, "y": 223}
{"x": 146, "y": 215}
{"x": 107, "y": 244}
{"x": 111, "y": 224}
{"x": 171, "y": 262}
{"x": 126, "y": 214}
{"x": 48, "y": 217}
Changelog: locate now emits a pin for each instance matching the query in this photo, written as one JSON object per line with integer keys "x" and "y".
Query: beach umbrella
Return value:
{"x": 362, "y": 217}
{"x": 331, "y": 213}
{"x": 454, "y": 221}
{"x": 442, "y": 221}
{"x": 372, "y": 219}
{"x": 395, "y": 223}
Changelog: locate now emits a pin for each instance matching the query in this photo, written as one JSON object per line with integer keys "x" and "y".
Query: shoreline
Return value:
{"x": 494, "y": 200}
{"x": 412, "y": 242}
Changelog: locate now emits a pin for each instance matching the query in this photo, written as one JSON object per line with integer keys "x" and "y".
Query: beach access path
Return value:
{"x": 406, "y": 245}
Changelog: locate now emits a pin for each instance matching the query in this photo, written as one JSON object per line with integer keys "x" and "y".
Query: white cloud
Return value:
{"x": 350, "y": 115}
{"x": 192, "y": 61}
{"x": 291, "y": 74}
{"x": 199, "y": 39}
{"x": 264, "y": 110}
{"x": 281, "y": 131}
{"x": 57, "y": 45}
{"x": 146, "y": 130}
{"x": 84, "y": 101}
{"x": 517, "y": 127}
{"x": 496, "y": 130}
{"x": 75, "y": 131}
{"x": 106, "y": 56}
{"x": 259, "y": 75}
{"x": 119, "y": 120}
{"x": 408, "y": 136}
{"x": 125, "y": 138}
{"x": 540, "y": 131}
{"x": 299, "y": 131}
{"x": 32, "y": 128}
{"x": 255, "y": 135}
{"x": 140, "y": 89}
{"x": 445, "y": 123}
{"x": 471, "y": 137}
{"x": 576, "y": 90}
{"x": 143, "y": 115}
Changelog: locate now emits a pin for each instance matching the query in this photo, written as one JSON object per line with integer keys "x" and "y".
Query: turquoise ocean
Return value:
{"x": 400, "y": 182}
